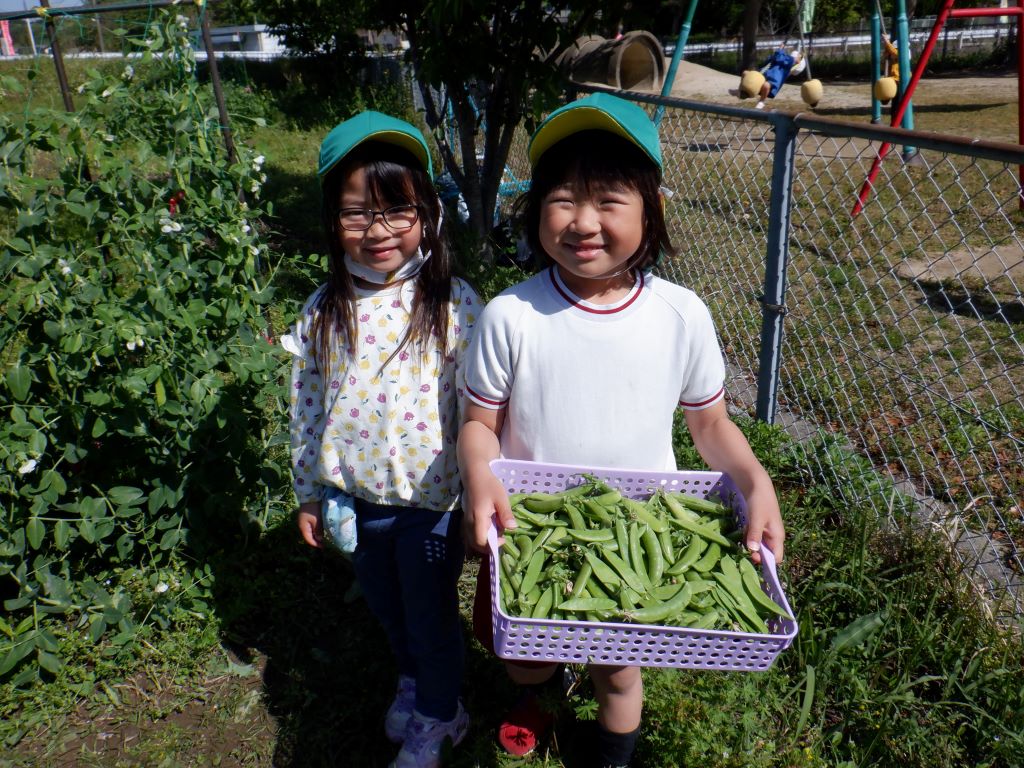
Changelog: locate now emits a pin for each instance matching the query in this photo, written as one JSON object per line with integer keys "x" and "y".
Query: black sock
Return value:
{"x": 614, "y": 749}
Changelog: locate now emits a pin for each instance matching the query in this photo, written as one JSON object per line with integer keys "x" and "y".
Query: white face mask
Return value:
{"x": 411, "y": 268}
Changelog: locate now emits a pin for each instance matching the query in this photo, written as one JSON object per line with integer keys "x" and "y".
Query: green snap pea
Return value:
{"x": 752, "y": 583}
{"x": 582, "y": 578}
{"x": 543, "y": 503}
{"x": 709, "y": 559}
{"x": 510, "y": 547}
{"x": 543, "y": 606}
{"x": 533, "y": 570}
{"x": 608, "y": 498}
{"x": 668, "y": 550}
{"x": 575, "y": 516}
{"x": 604, "y": 573}
{"x": 591, "y": 535}
{"x": 640, "y": 512}
{"x": 706, "y": 620}
{"x": 704, "y": 506}
{"x": 622, "y": 537}
{"x": 661, "y": 611}
{"x": 655, "y": 556}
{"x": 689, "y": 556}
{"x": 622, "y": 568}
{"x": 596, "y": 510}
{"x": 705, "y": 531}
{"x": 582, "y": 604}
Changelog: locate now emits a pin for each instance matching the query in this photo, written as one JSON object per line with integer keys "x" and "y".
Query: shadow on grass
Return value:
{"x": 328, "y": 676}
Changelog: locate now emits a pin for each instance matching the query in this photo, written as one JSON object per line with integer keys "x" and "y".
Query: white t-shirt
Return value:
{"x": 383, "y": 436}
{"x": 589, "y": 384}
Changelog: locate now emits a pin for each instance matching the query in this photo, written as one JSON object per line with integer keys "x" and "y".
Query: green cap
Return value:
{"x": 368, "y": 125}
{"x": 602, "y": 112}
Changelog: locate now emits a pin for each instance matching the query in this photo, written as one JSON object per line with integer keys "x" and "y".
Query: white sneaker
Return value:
{"x": 426, "y": 737}
{"x": 397, "y": 719}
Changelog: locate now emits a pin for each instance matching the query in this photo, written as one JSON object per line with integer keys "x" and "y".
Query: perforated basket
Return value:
{"x": 584, "y": 642}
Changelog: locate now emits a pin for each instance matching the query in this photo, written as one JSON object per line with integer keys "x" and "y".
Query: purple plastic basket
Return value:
{"x": 640, "y": 645}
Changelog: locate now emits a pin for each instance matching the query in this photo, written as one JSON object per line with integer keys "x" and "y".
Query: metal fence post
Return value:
{"x": 777, "y": 257}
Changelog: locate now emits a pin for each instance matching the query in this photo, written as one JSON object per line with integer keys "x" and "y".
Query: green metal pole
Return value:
{"x": 903, "y": 27}
{"x": 677, "y": 55}
{"x": 876, "y": 63}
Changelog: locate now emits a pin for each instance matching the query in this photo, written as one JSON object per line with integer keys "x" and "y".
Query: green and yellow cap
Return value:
{"x": 375, "y": 126}
{"x": 602, "y": 112}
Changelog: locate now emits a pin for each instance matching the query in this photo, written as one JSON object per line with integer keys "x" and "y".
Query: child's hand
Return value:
{"x": 484, "y": 498}
{"x": 311, "y": 524}
{"x": 764, "y": 523}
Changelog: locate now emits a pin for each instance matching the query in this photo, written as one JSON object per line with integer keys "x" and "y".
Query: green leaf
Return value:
{"x": 99, "y": 427}
{"x": 97, "y": 626}
{"x": 19, "y": 379}
{"x": 170, "y": 538}
{"x": 49, "y": 662}
{"x": 16, "y": 654}
{"x": 61, "y": 534}
{"x": 125, "y": 495}
{"x": 857, "y": 632}
{"x": 36, "y": 531}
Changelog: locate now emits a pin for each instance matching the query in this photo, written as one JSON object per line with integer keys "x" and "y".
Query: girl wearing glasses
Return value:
{"x": 375, "y": 410}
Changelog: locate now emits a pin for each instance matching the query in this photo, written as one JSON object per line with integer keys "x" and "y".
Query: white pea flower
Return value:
{"x": 81, "y": 88}
{"x": 129, "y": 72}
{"x": 27, "y": 467}
{"x": 167, "y": 226}
{"x": 109, "y": 138}
{"x": 254, "y": 250}
{"x": 161, "y": 588}
{"x": 258, "y": 161}
{"x": 136, "y": 343}
{"x": 255, "y": 187}
{"x": 263, "y": 178}
{"x": 65, "y": 269}
{"x": 246, "y": 229}
{"x": 181, "y": 21}
{"x": 106, "y": 93}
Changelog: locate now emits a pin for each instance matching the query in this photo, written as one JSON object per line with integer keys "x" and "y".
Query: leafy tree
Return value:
{"x": 483, "y": 65}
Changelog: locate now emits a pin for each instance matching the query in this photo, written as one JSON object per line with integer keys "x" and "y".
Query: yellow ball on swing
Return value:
{"x": 811, "y": 92}
{"x": 750, "y": 83}
{"x": 885, "y": 89}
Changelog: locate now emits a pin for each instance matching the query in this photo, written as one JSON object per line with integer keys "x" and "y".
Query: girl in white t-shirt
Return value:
{"x": 585, "y": 364}
{"x": 376, "y": 383}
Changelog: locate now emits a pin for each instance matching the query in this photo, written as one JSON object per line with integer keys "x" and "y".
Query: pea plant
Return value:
{"x": 139, "y": 390}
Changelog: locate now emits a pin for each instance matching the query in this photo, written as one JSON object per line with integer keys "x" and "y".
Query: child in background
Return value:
{"x": 376, "y": 384}
{"x": 780, "y": 65}
{"x": 585, "y": 363}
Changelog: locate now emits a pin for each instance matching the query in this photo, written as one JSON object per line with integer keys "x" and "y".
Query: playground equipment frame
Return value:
{"x": 947, "y": 12}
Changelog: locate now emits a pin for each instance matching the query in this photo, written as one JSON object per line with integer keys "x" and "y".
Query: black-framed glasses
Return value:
{"x": 396, "y": 218}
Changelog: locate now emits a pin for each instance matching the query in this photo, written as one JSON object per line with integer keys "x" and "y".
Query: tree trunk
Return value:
{"x": 751, "y": 17}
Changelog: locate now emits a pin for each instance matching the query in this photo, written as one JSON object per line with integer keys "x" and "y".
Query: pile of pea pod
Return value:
{"x": 588, "y": 553}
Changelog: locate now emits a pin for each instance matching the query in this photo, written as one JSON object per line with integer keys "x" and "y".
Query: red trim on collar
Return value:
{"x": 637, "y": 290}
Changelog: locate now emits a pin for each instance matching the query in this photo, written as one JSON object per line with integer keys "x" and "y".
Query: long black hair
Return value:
{"x": 393, "y": 177}
{"x": 595, "y": 160}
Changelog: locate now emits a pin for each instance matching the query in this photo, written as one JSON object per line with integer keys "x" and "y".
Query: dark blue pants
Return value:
{"x": 408, "y": 562}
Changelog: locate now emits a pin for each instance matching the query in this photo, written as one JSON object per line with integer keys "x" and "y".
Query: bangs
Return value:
{"x": 390, "y": 174}
{"x": 592, "y": 161}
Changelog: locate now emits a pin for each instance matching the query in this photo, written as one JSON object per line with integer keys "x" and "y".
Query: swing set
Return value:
{"x": 906, "y": 92}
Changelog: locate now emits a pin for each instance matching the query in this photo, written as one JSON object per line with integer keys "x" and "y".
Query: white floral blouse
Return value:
{"x": 385, "y": 436}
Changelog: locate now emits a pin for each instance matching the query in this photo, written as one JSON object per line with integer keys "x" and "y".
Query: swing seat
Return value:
{"x": 799, "y": 67}
{"x": 885, "y": 89}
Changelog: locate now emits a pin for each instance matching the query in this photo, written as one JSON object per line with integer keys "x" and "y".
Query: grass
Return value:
{"x": 897, "y": 662}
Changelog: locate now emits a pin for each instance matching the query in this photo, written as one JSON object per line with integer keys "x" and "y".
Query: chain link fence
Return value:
{"x": 890, "y": 343}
